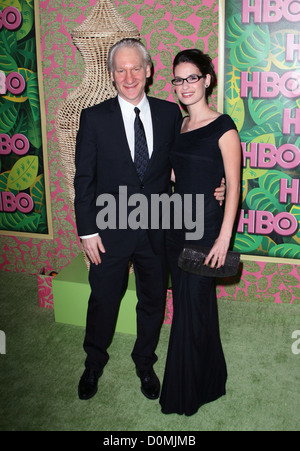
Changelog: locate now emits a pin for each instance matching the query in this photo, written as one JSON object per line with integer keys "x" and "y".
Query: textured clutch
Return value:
{"x": 192, "y": 260}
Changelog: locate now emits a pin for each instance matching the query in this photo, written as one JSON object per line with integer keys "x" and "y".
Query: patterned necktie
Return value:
{"x": 141, "y": 155}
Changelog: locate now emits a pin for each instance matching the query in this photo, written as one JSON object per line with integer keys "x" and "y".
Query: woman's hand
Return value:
{"x": 172, "y": 176}
{"x": 220, "y": 192}
{"x": 217, "y": 255}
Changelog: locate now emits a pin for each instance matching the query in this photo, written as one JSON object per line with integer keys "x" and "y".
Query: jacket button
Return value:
{"x": 142, "y": 187}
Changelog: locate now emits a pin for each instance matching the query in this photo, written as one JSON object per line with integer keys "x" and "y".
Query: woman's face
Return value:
{"x": 190, "y": 93}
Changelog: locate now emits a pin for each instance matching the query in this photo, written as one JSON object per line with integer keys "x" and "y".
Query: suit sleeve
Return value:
{"x": 85, "y": 181}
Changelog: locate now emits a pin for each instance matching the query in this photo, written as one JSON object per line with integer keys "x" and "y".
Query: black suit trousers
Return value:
{"x": 108, "y": 283}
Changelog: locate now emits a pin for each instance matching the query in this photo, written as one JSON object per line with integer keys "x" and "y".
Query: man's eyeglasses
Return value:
{"x": 190, "y": 79}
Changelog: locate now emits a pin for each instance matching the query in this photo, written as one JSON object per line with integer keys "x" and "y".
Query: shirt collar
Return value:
{"x": 127, "y": 107}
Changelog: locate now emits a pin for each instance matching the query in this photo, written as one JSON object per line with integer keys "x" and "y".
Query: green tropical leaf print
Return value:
{"x": 248, "y": 45}
{"x": 23, "y": 173}
{"x": 19, "y": 221}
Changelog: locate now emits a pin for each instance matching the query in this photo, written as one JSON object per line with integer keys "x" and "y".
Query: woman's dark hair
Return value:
{"x": 202, "y": 61}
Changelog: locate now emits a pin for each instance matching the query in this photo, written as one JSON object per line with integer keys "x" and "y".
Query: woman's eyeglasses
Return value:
{"x": 190, "y": 79}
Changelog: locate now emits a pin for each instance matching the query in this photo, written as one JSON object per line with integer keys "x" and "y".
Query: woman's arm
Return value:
{"x": 230, "y": 146}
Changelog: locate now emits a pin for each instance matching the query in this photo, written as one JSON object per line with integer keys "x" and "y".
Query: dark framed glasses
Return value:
{"x": 190, "y": 79}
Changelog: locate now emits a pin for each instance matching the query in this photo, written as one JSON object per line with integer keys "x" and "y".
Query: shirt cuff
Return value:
{"x": 84, "y": 237}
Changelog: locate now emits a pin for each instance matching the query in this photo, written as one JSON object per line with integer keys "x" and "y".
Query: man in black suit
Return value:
{"x": 105, "y": 161}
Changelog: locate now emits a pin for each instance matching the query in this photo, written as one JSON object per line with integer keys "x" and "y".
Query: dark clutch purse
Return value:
{"x": 192, "y": 260}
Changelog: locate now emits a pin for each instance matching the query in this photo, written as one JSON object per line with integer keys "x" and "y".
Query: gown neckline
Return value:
{"x": 204, "y": 126}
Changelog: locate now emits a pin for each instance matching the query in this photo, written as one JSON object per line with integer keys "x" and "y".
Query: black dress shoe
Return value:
{"x": 150, "y": 383}
{"x": 88, "y": 384}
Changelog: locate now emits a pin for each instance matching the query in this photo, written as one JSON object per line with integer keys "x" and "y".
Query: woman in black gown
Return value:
{"x": 207, "y": 148}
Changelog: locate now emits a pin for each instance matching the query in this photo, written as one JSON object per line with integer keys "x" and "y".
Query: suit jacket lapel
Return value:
{"x": 120, "y": 127}
{"x": 156, "y": 132}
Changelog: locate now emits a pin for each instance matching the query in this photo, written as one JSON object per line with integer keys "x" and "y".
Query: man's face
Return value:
{"x": 130, "y": 74}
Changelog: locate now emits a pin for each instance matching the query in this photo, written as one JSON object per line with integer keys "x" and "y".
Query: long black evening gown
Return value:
{"x": 195, "y": 371}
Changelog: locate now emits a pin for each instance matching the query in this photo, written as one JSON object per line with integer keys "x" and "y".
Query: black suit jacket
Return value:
{"x": 104, "y": 164}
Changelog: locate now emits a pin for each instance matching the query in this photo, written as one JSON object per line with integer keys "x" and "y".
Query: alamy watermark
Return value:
{"x": 2, "y": 342}
{"x": 154, "y": 216}
{"x": 296, "y": 344}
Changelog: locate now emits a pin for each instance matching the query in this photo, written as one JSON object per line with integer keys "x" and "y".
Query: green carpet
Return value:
{"x": 44, "y": 360}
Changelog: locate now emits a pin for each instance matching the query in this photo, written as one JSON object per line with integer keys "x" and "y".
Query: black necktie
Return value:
{"x": 141, "y": 155}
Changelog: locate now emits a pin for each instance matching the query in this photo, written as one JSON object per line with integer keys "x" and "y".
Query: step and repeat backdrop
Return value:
{"x": 24, "y": 197}
{"x": 259, "y": 86}
{"x": 261, "y": 63}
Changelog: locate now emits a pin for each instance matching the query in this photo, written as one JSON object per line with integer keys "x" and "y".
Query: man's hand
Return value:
{"x": 220, "y": 192}
{"x": 92, "y": 246}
